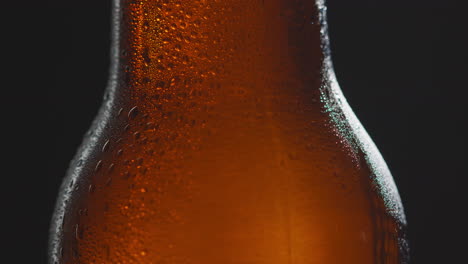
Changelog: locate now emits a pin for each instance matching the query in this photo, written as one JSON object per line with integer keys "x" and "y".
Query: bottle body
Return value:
{"x": 225, "y": 138}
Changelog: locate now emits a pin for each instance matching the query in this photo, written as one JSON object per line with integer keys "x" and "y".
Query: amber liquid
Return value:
{"x": 224, "y": 141}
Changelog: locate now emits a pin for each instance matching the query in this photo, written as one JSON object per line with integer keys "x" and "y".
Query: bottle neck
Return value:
{"x": 159, "y": 45}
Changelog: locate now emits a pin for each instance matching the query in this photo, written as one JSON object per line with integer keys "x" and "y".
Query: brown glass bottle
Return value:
{"x": 224, "y": 138}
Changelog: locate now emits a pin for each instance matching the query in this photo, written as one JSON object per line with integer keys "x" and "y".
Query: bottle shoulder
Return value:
{"x": 238, "y": 157}
{"x": 349, "y": 129}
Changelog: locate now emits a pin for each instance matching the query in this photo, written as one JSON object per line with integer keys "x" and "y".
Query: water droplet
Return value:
{"x": 120, "y": 112}
{"x": 150, "y": 152}
{"x": 80, "y": 163}
{"x": 160, "y": 85}
{"x": 143, "y": 253}
{"x": 143, "y": 190}
{"x": 119, "y": 152}
{"x": 146, "y": 80}
{"x": 91, "y": 188}
{"x": 105, "y": 147}
{"x": 98, "y": 166}
{"x": 137, "y": 135}
{"x": 111, "y": 168}
{"x": 78, "y": 232}
{"x": 133, "y": 112}
{"x": 148, "y": 125}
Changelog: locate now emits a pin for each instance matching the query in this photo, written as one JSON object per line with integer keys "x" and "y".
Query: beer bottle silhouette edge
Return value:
{"x": 224, "y": 137}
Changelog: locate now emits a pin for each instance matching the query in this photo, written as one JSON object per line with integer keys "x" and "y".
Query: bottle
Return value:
{"x": 224, "y": 138}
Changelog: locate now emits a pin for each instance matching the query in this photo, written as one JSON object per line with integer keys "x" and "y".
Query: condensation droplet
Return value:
{"x": 148, "y": 125}
{"x": 111, "y": 168}
{"x": 105, "y": 147}
{"x": 98, "y": 166}
{"x": 133, "y": 112}
{"x": 160, "y": 85}
{"x": 120, "y": 112}
{"x": 91, "y": 188}
{"x": 137, "y": 135}
{"x": 78, "y": 232}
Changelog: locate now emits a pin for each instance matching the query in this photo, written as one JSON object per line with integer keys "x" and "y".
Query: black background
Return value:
{"x": 402, "y": 65}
